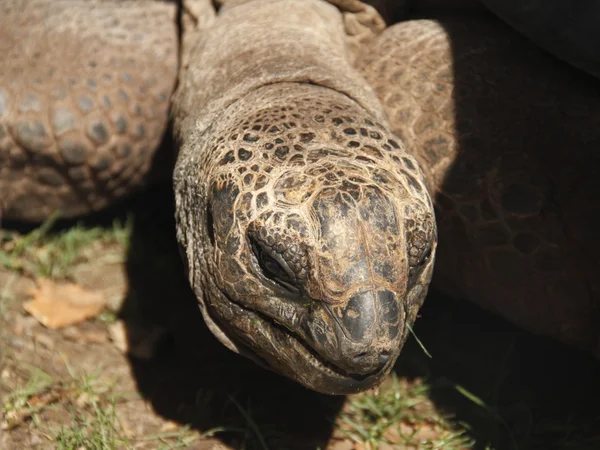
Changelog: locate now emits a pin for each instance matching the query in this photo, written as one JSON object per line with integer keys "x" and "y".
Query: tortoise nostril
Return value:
{"x": 359, "y": 358}
{"x": 367, "y": 358}
{"x": 384, "y": 357}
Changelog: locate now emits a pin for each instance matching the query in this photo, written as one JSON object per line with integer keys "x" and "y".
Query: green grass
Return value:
{"x": 401, "y": 414}
{"x": 95, "y": 429}
{"x": 17, "y": 404}
{"x": 180, "y": 439}
{"x": 89, "y": 400}
{"x": 6, "y": 296}
{"x": 46, "y": 253}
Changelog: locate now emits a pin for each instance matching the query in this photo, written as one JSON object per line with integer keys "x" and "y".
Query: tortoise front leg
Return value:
{"x": 84, "y": 97}
{"x": 509, "y": 141}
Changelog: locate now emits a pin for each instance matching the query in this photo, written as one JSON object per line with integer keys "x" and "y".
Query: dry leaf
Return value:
{"x": 60, "y": 305}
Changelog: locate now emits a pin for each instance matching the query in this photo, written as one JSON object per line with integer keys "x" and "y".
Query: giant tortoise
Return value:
{"x": 313, "y": 145}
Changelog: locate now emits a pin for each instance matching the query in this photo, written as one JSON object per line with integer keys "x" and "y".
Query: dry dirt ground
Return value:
{"x": 146, "y": 373}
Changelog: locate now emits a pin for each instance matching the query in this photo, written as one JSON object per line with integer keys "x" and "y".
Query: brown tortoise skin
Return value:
{"x": 289, "y": 163}
{"x": 84, "y": 97}
{"x": 295, "y": 178}
{"x": 299, "y": 166}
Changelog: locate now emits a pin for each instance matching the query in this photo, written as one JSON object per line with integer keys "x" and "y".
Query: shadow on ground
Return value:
{"x": 531, "y": 393}
{"x": 194, "y": 379}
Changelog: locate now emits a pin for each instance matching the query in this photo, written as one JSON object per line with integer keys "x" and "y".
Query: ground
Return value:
{"x": 146, "y": 374}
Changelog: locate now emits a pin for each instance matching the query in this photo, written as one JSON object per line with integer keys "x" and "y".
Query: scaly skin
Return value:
{"x": 508, "y": 138}
{"x": 290, "y": 160}
{"x": 306, "y": 227}
{"x": 84, "y": 97}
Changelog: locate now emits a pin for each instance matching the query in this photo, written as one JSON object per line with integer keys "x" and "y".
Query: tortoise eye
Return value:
{"x": 271, "y": 268}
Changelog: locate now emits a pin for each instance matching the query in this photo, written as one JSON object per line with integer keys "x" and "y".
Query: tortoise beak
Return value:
{"x": 363, "y": 337}
{"x": 366, "y": 332}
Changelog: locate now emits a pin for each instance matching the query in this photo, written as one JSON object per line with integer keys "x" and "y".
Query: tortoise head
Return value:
{"x": 317, "y": 244}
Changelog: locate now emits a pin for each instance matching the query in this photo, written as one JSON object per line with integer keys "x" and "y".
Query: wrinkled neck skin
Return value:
{"x": 308, "y": 233}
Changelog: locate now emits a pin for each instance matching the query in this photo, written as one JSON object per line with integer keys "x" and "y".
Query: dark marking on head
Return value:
{"x": 244, "y": 155}
{"x": 228, "y": 158}
{"x": 282, "y": 151}
{"x": 262, "y": 200}
{"x": 307, "y": 137}
{"x": 358, "y": 315}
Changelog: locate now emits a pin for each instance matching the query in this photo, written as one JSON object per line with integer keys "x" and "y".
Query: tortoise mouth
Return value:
{"x": 331, "y": 378}
{"x": 311, "y": 353}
